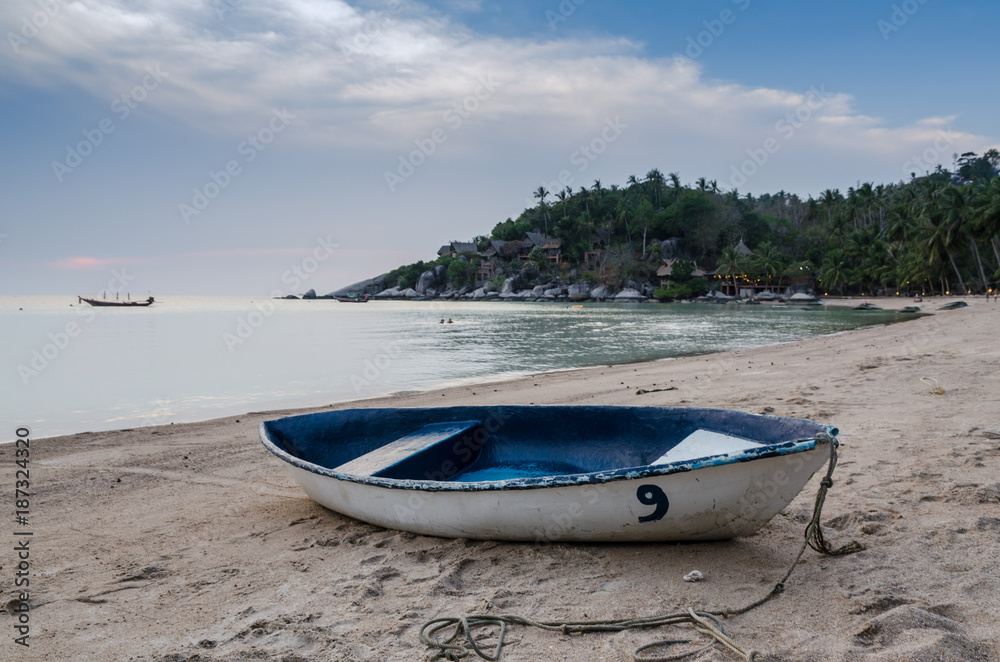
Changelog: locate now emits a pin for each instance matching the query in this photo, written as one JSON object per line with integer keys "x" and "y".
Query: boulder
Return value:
{"x": 553, "y": 292}
{"x": 629, "y": 294}
{"x": 370, "y": 286}
{"x": 600, "y": 293}
{"x": 797, "y": 289}
{"x": 311, "y": 294}
{"x": 409, "y": 293}
{"x": 288, "y": 296}
{"x": 579, "y": 292}
{"x": 648, "y": 290}
{"x": 509, "y": 286}
{"x": 538, "y": 290}
{"x": 425, "y": 281}
{"x": 670, "y": 248}
{"x": 802, "y": 297}
{"x": 479, "y": 294}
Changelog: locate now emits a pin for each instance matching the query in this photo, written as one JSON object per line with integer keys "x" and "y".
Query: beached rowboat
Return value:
{"x": 553, "y": 473}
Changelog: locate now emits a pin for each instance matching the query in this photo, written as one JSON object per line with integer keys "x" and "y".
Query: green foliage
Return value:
{"x": 461, "y": 273}
{"x": 511, "y": 230}
{"x": 539, "y": 259}
{"x": 939, "y": 232}
{"x": 407, "y": 275}
{"x": 673, "y": 290}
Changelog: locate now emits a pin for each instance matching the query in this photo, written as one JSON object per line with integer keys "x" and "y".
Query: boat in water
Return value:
{"x": 116, "y": 302}
{"x": 353, "y": 299}
{"x": 553, "y": 473}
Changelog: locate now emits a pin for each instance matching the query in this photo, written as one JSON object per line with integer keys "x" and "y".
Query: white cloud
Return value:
{"x": 381, "y": 77}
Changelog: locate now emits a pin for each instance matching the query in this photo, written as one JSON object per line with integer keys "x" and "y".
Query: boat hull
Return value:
{"x": 711, "y": 498}
{"x": 101, "y": 303}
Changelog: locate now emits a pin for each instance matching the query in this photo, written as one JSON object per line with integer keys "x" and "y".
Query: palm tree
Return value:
{"x": 563, "y": 196}
{"x": 830, "y": 198}
{"x": 656, "y": 180}
{"x": 732, "y": 263}
{"x": 675, "y": 184}
{"x": 836, "y": 271}
{"x": 540, "y": 195}
{"x": 987, "y": 215}
{"x": 940, "y": 237}
{"x": 958, "y": 211}
{"x": 702, "y": 184}
{"x": 767, "y": 261}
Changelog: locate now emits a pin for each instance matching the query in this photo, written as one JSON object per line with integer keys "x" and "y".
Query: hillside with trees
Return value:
{"x": 936, "y": 233}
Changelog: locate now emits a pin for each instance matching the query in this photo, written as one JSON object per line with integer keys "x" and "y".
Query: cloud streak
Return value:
{"x": 225, "y": 73}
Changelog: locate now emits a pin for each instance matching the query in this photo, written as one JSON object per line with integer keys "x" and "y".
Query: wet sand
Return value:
{"x": 191, "y": 542}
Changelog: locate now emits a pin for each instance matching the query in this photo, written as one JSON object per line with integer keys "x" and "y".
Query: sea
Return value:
{"x": 68, "y": 367}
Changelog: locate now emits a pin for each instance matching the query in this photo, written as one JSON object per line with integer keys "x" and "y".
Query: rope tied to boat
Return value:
{"x": 461, "y": 641}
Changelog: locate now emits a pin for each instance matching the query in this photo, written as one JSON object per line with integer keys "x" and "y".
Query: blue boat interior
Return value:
{"x": 475, "y": 444}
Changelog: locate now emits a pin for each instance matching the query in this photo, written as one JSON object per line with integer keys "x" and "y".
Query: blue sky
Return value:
{"x": 389, "y": 127}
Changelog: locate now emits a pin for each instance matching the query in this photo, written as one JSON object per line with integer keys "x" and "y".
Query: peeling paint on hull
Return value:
{"x": 711, "y": 498}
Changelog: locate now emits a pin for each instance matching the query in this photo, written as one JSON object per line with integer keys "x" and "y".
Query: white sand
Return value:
{"x": 191, "y": 542}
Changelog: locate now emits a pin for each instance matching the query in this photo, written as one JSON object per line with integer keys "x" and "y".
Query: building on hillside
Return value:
{"x": 494, "y": 249}
{"x": 663, "y": 273}
{"x": 458, "y": 248}
{"x": 551, "y": 246}
{"x": 599, "y": 242}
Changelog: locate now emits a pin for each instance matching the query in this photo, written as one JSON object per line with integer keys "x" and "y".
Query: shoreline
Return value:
{"x": 890, "y": 304}
{"x": 180, "y": 540}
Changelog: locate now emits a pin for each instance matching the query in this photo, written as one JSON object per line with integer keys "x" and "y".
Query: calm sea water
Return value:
{"x": 69, "y": 368}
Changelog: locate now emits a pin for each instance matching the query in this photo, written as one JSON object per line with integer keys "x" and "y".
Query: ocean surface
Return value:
{"x": 70, "y": 368}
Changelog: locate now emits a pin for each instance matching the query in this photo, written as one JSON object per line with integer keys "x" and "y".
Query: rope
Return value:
{"x": 461, "y": 641}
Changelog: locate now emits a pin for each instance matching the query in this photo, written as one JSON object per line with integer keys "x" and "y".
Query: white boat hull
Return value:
{"x": 711, "y": 502}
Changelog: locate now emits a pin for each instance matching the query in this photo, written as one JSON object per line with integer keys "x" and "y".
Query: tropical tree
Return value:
{"x": 656, "y": 181}
{"x": 765, "y": 259}
{"x": 540, "y": 195}
{"x": 836, "y": 271}
{"x": 732, "y": 263}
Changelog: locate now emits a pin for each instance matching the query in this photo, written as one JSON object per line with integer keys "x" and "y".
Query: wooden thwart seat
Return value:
{"x": 403, "y": 448}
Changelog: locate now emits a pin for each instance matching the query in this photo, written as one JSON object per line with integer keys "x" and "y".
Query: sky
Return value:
{"x": 272, "y": 146}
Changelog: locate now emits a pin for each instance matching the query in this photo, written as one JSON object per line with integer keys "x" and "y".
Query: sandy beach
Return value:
{"x": 191, "y": 542}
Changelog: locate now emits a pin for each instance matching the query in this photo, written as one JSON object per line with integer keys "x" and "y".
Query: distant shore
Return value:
{"x": 183, "y": 540}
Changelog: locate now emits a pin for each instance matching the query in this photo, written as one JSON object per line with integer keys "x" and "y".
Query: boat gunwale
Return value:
{"x": 766, "y": 450}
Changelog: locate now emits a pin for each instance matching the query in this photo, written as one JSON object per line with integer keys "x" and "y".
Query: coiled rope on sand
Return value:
{"x": 453, "y": 637}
